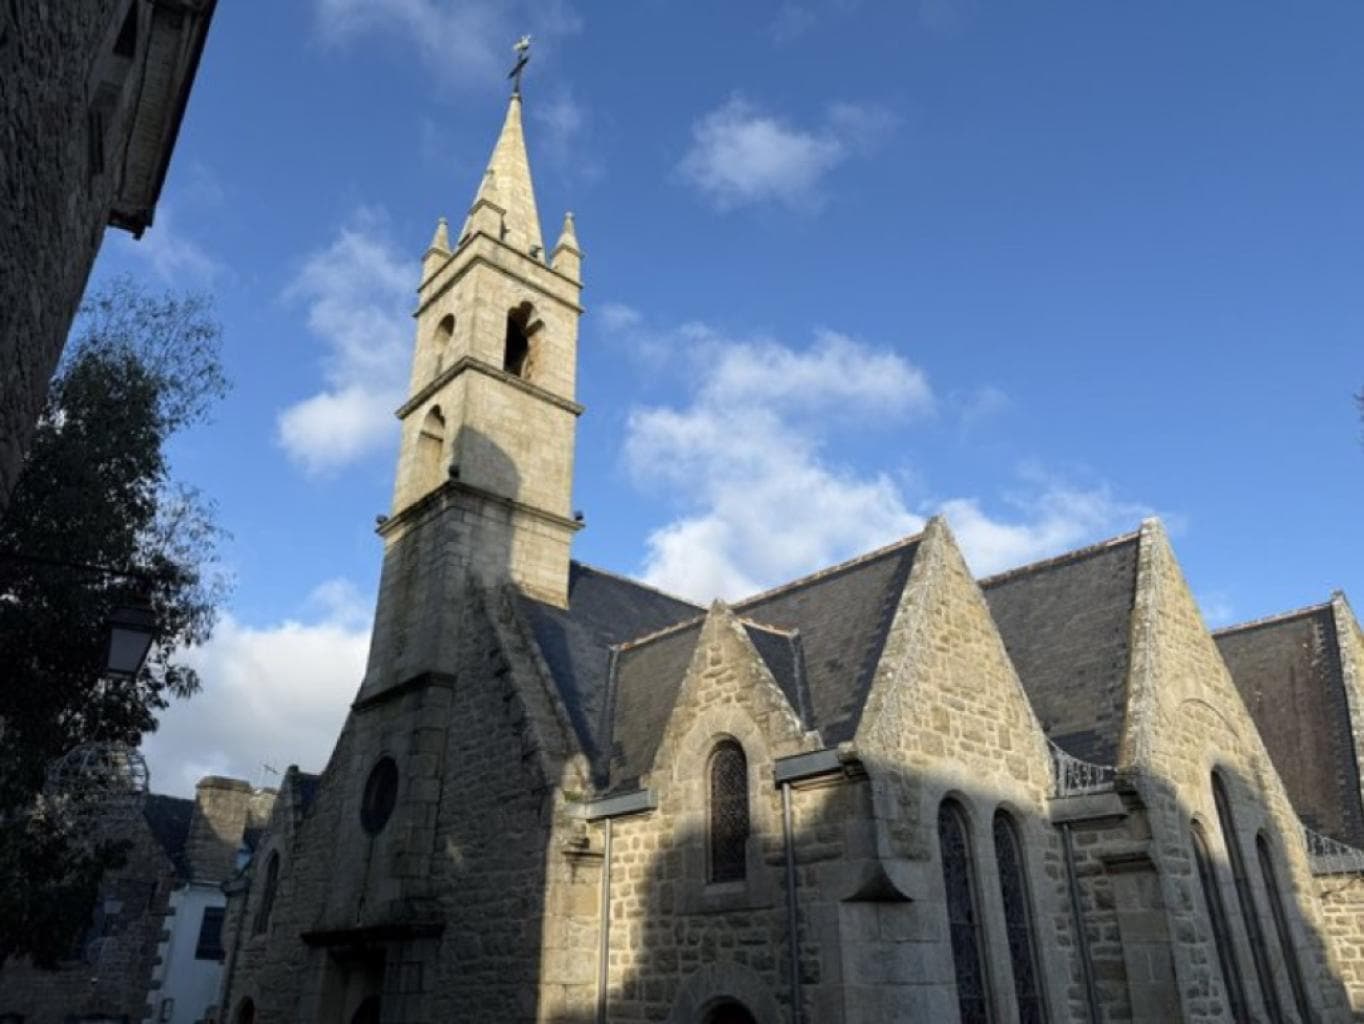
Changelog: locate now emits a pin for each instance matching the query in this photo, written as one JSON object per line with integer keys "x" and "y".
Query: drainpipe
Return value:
{"x": 604, "y": 928}
{"x": 1081, "y": 937}
{"x": 792, "y": 912}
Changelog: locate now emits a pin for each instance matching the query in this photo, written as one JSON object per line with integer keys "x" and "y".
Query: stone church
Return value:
{"x": 888, "y": 791}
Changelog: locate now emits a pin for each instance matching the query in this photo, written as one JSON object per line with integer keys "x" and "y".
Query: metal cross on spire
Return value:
{"x": 522, "y": 49}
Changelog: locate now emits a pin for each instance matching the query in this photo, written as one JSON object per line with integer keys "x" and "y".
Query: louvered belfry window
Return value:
{"x": 728, "y": 812}
{"x": 963, "y": 914}
{"x": 1013, "y": 886}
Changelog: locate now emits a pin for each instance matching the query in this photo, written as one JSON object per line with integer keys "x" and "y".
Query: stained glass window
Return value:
{"x": 963, "y": 914}
{"x": 267, "y": 897}
{"x": 1013, "y": 888}
{"x": 1221, "y": 931}
{"x": 1290, "y": 955}
{"x": 728, "y": 812}
{"x": 1264, "y": 974}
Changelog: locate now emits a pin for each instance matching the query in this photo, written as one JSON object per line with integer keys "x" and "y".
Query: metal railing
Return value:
{"x": 1330, "y": 856}
{"x": 1074, "y": 777}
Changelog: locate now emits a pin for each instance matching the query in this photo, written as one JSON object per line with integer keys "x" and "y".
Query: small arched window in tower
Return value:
{"x": 1013, "y": 888}
{"x": 963, "y": 914}
{"x": 728, "y": 812}
{"x": 1259, "y": 951}
{"x": 246, "y": 1012}
{"x": 125, "y": 45}
{"x": 430, "y": 445}
{"x": 267, "y": 895}
{"x": 1221, "y": 930}
{"x": 1279, "y": 911}
{"x": 521, "y": 327}
{"x": 729, "y": 1012}
{"x": 440, "y": 342}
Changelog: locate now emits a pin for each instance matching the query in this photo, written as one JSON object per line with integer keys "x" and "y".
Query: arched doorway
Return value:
{"x": 246, "y": 1012}
{"x": 729, "y": 1012}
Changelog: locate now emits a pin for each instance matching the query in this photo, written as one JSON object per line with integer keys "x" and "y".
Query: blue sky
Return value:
{"x": 1047, "y": 268}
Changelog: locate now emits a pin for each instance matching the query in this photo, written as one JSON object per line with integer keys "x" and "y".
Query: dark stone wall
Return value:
{"x": 53, "y": 207}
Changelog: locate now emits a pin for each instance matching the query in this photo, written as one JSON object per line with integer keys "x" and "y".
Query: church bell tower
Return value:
{"x": 485, "y": 468}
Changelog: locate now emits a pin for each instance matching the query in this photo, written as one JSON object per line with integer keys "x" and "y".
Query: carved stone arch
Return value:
{"x": 441, "y": 338}
{"x": 713, "y": 985}
{"x": 430, "y": 450}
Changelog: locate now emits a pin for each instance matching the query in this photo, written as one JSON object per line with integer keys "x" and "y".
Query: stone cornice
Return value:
{"x": 488, "y": 369}
{"x": 476, "y": 259}
{"x": 452, "y": 487}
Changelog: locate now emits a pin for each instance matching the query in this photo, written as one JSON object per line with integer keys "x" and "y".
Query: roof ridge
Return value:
{"x": 1064, "y": 558}
{"x": 831, "y": 570}
{"x": 1270, "y": 620}
{"x": 639, "y": 641}
{"x": 637, "y": 583}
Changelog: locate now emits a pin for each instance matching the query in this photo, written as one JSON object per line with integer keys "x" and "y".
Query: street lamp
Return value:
{"x": 132, "y": 629}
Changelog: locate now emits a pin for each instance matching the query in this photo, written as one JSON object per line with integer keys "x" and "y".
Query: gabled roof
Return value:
{"x": 1066, "y": 623}
{"x": 1289, "y": 672}
{"x": 168, "y": 817}
{"x": 618, "y": 654}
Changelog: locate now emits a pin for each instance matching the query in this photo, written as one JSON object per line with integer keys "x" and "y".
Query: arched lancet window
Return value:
{"x": 246, "y": 1012}
{"x": 1013, "y": 888}
{"x": 516, "y": 351}
{"x": 430, "y": 444}
{"x": 267, "y": 894}
{"x": 1263, "y": 972}
{"x": 963, "y": 914}
{"x": 1221, "y": 930}
{"x": 125, "y": 45}
{"x": 1280, "y": 914}
{"x": 440, "y": 342}
{"x": 728, "y": 812}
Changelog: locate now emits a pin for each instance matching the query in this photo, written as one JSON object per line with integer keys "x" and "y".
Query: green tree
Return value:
{"x": 96, "y": 494}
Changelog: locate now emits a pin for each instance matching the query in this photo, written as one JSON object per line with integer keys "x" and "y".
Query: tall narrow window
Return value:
{"x": 963, "y": 914}
{"x": 430, "y": 444}
{"x": 445, "y": 331}
{"x": 1286, "y": 947}
{"x": 1264, "y": 973}
{"x": 1013, "y": 887}
{"x": 267, "y": 894}
{"x": 517, "y": 347}
{"x": 728, "y": 812}
{"x": 210, "y": 943}
{"x": 1221, "y": 931}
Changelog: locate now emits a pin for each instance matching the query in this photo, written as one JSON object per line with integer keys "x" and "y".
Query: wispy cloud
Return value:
{"x": 742, "y": 155}
{"x": 563, "y": 135}
{"x": 357, "y": 291}
{"x": 271, "y": 695}
{"x": 169, "y": 252}
{"x": 464, "y": 43}
{"x": 761, "y": 496}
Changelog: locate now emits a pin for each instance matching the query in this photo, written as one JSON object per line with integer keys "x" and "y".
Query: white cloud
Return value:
{"x": 358, "y": 293}
{"x": 275, "y": 695}
{"x": 462, "y": 42}
{"x": 172, "y": 256}
{"x": 741, "y": 155}
{"x": 745, "y": 457}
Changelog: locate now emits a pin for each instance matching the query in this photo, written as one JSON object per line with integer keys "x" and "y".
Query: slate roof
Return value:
{"x": 618, "y": 654}
{"x": 604, "y": 610}
{"x": 1066, "y": 623}
{"x": 1288, "y": 670}
{"x": 168, "y": 818}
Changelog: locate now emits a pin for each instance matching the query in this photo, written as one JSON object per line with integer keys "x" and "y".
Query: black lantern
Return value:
{"x": 131, "y": 631}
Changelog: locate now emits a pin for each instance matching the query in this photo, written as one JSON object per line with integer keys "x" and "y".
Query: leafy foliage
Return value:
{"x": 95, "y": 522}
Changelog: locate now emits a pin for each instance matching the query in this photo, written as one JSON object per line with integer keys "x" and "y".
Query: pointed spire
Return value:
{"x": 440, "y": 241}
{"x": 507, "y": 187}
{"x": 568, "y": 258}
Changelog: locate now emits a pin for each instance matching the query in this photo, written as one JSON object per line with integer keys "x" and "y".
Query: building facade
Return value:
{"x": 154, "y": 948}
{"x": 885, "y": 792}
{"x": 91, "y": 98}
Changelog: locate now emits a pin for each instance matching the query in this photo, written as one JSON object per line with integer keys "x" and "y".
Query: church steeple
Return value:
{"x": 485, "y": 469}
{"x": 504, "y": 205}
